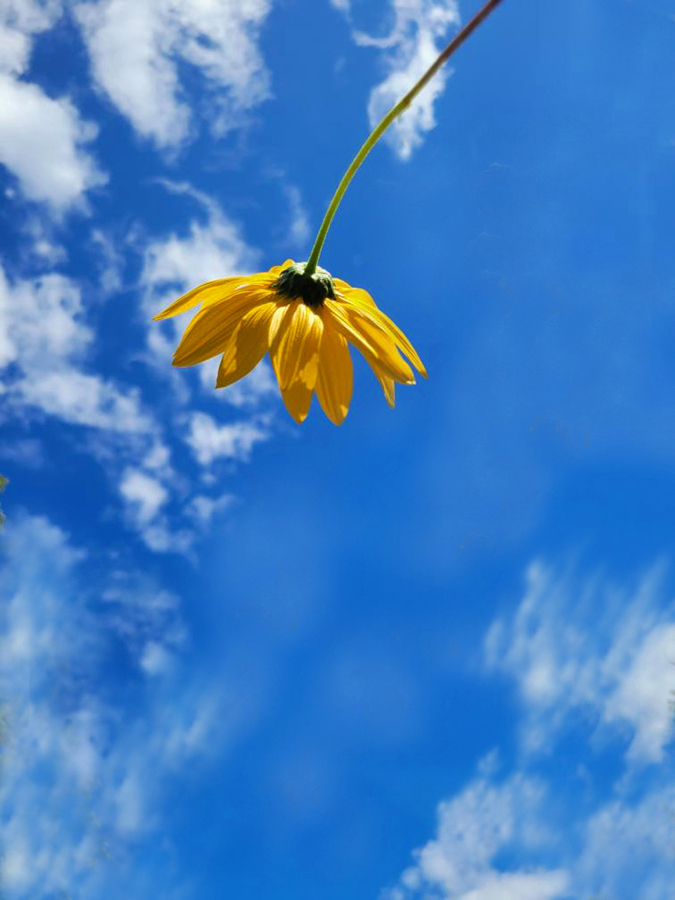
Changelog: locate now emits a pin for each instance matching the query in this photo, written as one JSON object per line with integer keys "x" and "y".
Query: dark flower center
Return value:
{"x": 311, "y": 289}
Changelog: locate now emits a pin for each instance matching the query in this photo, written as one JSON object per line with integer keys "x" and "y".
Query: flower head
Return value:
{"x": 305, "y": 322}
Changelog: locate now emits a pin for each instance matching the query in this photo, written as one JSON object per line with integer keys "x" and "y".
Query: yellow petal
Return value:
{"x": 342, "y": 285}
{"x": 388, "y": 384}
{"x": 247, "y": 346}
{"x": 276, "y": 270}
{"x": 220, "y": 287}
{"x": 334, "y": 384}
{"x": 295, "y": 351}
{"x": 358, "y": 295}
{"x": 363, "y": 301}
{"x": 210, "y": 330}
{"x": 371, "y": 340}
{"x": 297, "y": 399}
{"x": 251, "y": 285}
{"x": 277, "y": 319}
{"x": 404, "y": 344}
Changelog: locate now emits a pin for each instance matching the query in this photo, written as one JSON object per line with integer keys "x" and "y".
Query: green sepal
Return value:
{"x": 312, "y": 289}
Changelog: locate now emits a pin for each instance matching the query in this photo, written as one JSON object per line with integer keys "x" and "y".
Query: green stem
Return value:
{"x": 379, "y": 130}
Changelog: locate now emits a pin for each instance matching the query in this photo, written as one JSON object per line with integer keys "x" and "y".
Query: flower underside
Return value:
{"x": 305, "y": 323}
{"x": 311, "y": 289}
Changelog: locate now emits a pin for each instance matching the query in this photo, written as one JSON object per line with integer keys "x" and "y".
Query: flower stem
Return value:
{"x": 379, "y": 130}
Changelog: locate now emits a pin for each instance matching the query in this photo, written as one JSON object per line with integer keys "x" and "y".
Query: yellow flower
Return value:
{"x": 305, "y": 322}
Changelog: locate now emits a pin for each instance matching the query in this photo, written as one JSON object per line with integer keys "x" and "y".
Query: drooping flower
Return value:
{"x": 303, "y": 317}
{"x": 305, "y": 322}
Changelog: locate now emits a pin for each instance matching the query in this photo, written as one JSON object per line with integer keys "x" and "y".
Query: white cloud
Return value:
{"x": 158, "y": 458}
{"x": 42, "y": 143}
{"x": 146, "y": 618}
{"x": 47, "y": 367}
{"x": 638, "y": 697}
{"x": 484, "y": 820}
{"x": 203, "y": 508}
{"x": 41, "y": 249}
{"x": 43, "y": 319}
{"x": 44, "y": 341}
{"x": 156, "y": 660}
{"x": 210, "y": 441}
{"x": 546, "y": 832}
{"x": 629, "y": 847}
{"x": 299, "y": 231}
{"x": 572, "y": 646}
{"x": 158, "y": 504}
{"x": 218, "y": 38}
{"x": 144, "y": 493}
{"x": 43, "y": 140}
{"x": 31, "y": 15}
{"x": 212, "y": 248}
{"x": 84, "y": 399}
{"x": 84, "y": 773}
{"x": 415, "y": 40}
{"x": 145, "y": 498}
{"x": 623, "y": 849}
{"x": 261, "y": 383}
{"x": 110, "y": 261}
{"x": 27, "y": 452}
{"x": 521, "y": 886}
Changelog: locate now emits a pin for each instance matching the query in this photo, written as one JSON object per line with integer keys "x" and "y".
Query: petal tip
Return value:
{"x": 337, "y": 418}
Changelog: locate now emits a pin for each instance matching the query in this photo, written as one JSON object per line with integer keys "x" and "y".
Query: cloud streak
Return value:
{"x": 572, "y": 645}
{"x": 217, "y": 40}
{"x": 44, "y": 141}
{"x": 412, "y": 44}
{"x": 44, "y": 345}
{"x": 86, "y": 773}
{"x": 591, "y": 646}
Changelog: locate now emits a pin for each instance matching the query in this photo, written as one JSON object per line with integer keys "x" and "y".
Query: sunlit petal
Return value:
{"x": 209, "y": 331}
{"x": 388, "y": 384}
{"x": 306, "y": 323}
{"x": 247, "y": 346}
{"x": 297, "y": 400}
{"x": 367, "y": 306}
{"x": 295, "y": 352}
{"x": 219, "y": 288}
{"x": 277, "y": 270}
{"x": 371, "y": 340}
{"x": 334, "y": 384}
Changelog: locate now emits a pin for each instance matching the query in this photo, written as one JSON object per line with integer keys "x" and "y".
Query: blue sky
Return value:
{"x": 430, "y": 654}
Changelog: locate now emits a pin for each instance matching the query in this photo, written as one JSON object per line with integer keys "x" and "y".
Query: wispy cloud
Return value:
{"x": 140, "y": 74}
{"x": 44, "y": 141}
{"x": 145, "y": 498}
{"x": 474, "y": 828}
{"x": 234, "y": 441}
{"x": 593, "y": 646}
{"x": 299, "y": 231}
{"x": 211, "y": 246}
{"x": 573, "y": 645}
{"x": 82, "y": 782}
{"x": 411, "y": 45}
{"x": 507, "y": 839}
{"x": 48, "y": 351}
{"x": 44, "y": 345}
